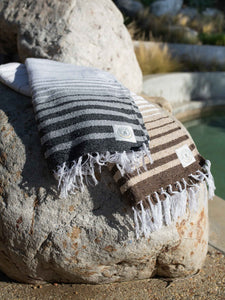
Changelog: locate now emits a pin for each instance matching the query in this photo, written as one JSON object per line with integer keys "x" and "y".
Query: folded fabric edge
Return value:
{"x": 154, "y": 217}
{"x": 73, "y": 178}
{"x": 14, "y": 75}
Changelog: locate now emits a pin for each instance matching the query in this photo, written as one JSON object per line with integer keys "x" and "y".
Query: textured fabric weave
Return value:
{"x": 79, "y": 110}
{"x": 166, "y": 173}
{"x": 85, "y": 115}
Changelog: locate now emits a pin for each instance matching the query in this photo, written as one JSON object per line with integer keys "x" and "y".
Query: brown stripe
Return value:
{"x": 163, "y": 179}
{"x": 156, "y": 164}
{"x": 159, "y": 155}
{"x": 114, "y": 170}
{"x": 169, "y": 144}
{"x": 166, "y": 124}
{"x": 156, "y": 120}
{"x": 148, "y": 174}
{"x": 156, "y": 131}
{"x": 165, "y": 133}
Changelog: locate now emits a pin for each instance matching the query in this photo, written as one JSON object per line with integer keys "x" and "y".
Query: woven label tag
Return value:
{"x": 185, "y": 156}
{"x": 124, "y": 133}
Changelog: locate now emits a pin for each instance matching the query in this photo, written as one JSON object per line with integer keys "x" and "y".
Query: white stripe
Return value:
{"x": 149, "y": 110}
{"x": 146, "y": 105}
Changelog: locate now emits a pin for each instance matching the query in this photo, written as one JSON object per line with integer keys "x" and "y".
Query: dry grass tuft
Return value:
{"x": 156, "y": 60}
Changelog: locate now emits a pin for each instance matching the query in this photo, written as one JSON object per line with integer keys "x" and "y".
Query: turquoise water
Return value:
{"x": 209, "y": 136}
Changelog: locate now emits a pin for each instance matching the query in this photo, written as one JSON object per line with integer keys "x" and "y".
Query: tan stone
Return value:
{"x": 89, "y": 33}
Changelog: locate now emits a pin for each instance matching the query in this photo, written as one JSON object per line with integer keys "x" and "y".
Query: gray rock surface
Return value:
{"x": 212, "y": 12}
{"x": 163, "y": 7}
{"x": 187, "y": 87}
{"x": 81, "y": 32}
{"x": 189, "y": 12}
{"x": 87, "y": 237}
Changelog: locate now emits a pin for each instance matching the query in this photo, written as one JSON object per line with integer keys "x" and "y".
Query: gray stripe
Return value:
{"x": 42, "y": 89}
{"x": 79, "y": 84}
{"x": 76, "y": 79}
{"x": 87, "y": 137}
{"x": 52, "y": 102}
{"x": 69, "y": 129}
{"x": 80, "y": 104}
{"x": 75, "y": 114}
{"x": 41, "y": 99}
{"x": 49, "y": 91}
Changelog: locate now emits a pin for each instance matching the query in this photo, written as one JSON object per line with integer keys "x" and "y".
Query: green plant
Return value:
{"x": 146, "y": 2}
{"x": 213, "y": 39}
{"x": 200, "y": 4}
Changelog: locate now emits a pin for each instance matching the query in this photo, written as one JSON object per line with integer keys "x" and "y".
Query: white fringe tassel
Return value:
{"x": 74, "y": 178}
{"x": 174, "y": 206}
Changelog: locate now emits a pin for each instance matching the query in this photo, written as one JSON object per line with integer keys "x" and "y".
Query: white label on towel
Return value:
{"x": 124, "y": 133}
{"x": 185, "y": 156}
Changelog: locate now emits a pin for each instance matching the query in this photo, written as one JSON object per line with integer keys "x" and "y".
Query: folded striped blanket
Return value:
{"x": 161, "y": 193}
{"x": 87, "y": 119}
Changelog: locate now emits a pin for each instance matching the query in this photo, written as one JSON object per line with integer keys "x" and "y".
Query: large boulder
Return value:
{"x": 163, "y": 7}
{"x": 88, "y": 237}
{"x": 89, "y": 33}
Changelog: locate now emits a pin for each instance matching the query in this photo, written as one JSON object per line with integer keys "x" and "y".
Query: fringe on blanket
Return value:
{"x": 164, "y": 212}
{"x": 71, "y": 179}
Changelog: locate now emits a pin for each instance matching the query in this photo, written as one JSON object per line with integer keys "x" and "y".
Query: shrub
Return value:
{"x": 213, "y": 39}
{"x": 200, "y": 4}
{"x": 156, "y": 60}
{"x": 149, "y": 27}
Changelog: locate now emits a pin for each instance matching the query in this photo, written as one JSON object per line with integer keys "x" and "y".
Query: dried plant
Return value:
{"x": 156, "y": 60}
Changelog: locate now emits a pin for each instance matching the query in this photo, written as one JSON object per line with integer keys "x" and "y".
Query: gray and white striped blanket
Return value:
{"x": 85, "y": 118}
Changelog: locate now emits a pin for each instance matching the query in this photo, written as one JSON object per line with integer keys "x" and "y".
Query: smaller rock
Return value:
{"x": 211, "y": 12}
{"x": 129, "y": 8}
{"x": 189, "y": 12}
{"x": 163, "y": 7}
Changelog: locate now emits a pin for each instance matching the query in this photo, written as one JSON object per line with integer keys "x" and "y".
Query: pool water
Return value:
{"x": 209, "y": 136}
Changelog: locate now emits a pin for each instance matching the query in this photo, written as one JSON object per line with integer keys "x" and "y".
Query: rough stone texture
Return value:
{"x": 180, "y": 88}
{"x": 81, "y": 32}
{"x": 88, "y": 237}
{"x": 163, "y": 7}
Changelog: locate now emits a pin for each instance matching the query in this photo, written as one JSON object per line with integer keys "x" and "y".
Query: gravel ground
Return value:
{"x": 209, "y": 283}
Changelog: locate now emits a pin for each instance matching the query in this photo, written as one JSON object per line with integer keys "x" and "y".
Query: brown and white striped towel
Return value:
{"x": 160, "y": 194}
